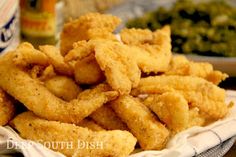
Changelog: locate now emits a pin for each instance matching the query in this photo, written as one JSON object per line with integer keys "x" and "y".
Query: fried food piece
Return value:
{"x": 63, "y": 87}
{"x": 41, "y": 73}
{"x": 108, "y": 119}
{"x": 25, "y": 54}
{"x": 90, "y": 124}
{"x": 151, "y": 134}
{"x": 36, "y": 71}
{"x": 180, "y": 65}
{"x": 47, "y": 73}
{"x": 136, "y": 36}
{"x": 87, "y": 71}
{"x": 89, "y": 26}
{"x": 42, "y": 102}
{"x": 57, "y": 60}
{"x": 206, "y": 96}
{"x": 121, "y": 70}
{"x": 7, "y": 109}
{"x": 171, "y": 108}
{"x": 81, "y": 49}
{"x": 196, "y": 118}
{"x": 153, "y": 50}
{"x": 106, "y": 143}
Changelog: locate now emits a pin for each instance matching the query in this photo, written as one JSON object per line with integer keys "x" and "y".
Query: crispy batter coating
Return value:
{"x": 153, "y": 50}
{"x": 102, "y": 143}
{"x": 108, "y": 119}
{"x": 63, "y": 87}
{"x": 90, "y": 124}
{"x": 87, "y": 71}
{"x": 196, "y": 118}
{"x": 7, "y": 109}
{"x": 89, "y": 26}
{"x": 180, "y": 65}
{"x": 81, "y": 49}
{"x": 25, "y": 54}
{"x": 47, "y": 73}
{"x": 171, "y": 108}
{"x": 31, "y": 93}
{"x": 208, "y": 97}
{"x": 57, "y": 60}
{"x": 121, "y": 71}
{"x": 151, "y": 134}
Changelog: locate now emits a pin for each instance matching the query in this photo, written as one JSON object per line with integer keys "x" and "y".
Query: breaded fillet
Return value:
{"x": 70, "y": 138}
{"x": 89, "y": 26}
{"x": 90, "y": 124}
{"x": 42, "y": 102}
{"x": 7, "y": 109}
{"x": 121, "y": 71}
{"x": 151, "y": 134}
{"x": 152, "y": 50}
{"x": 206, "y": 96}
{"x": 108, "y": 119}
{"x": 171, "y": 108}
{"x": 180, "y": 65}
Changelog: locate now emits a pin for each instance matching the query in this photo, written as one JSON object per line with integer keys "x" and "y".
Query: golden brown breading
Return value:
{"x": 180, "y": 65}
{"x": 121, "y": 71}
{"x": 81, "y": 49}
{"x": 90, "y": 124}
{"x": 208, "y": 97}
{"x": 136, "y": 36}
{"x": 57, "y": 60}
{"x": 87, "y": 71}
{"x": 31, "y": 93}
{"x": 87, "y": 27}
{"x": 63, "y": 87}
{"x": 70, "y": 139}
{"x": 151, "y": 134}
{"x": 7, "y": 109}
{"x": 196, "y": 118}
{"x": 108, "y": 119}
{"x": 47, "y": 73}
{"x": 171, "y": 108}
{"x": 25, "y": 54}
{"x": 153, "y": 50}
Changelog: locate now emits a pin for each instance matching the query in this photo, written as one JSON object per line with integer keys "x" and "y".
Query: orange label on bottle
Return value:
{"x": 38, "y": 18}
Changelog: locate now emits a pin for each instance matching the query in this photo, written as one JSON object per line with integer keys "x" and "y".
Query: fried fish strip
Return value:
{"x": 42, "y": 102}
{"x": 151, "y": 134}
{"x": 87, "y": 71}
{"x": 57, "y": 60}
{"x": 25, "y": 54}
{"x": 108, "y": 119}
{"x": 63, "y": 87}
{"x": 171, "y": 108}
{"x": 90, "y": 124}
{"x": 89, "y": 26}
{"x": 206, "y": 96}
{"x": 109, "y": 143}
{"x": 121, "y": 70}
{"x": 81, "y": 49}
{"x": 7, "y": 109}
{"x": 153, "y": 50}
{"x": 180, "y": 65}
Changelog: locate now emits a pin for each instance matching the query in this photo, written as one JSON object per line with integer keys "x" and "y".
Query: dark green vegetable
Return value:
{"x": 207, "y": 28}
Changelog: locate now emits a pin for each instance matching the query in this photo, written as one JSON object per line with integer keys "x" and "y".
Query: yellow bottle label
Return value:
{"x": 38, "y": 18}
